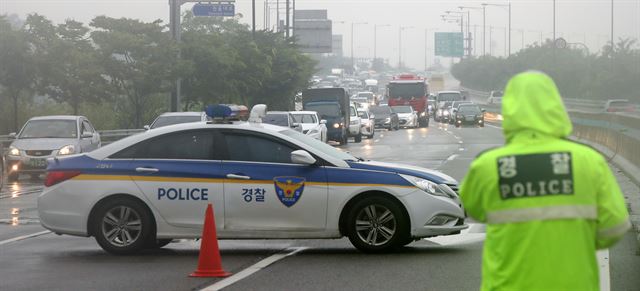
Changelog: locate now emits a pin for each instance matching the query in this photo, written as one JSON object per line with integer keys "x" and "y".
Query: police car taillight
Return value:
{"x": 55, "y": 177}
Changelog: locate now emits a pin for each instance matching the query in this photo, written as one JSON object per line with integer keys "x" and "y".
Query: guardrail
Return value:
{"x": 106, "y": 136}
{"x": 620, "y": 132}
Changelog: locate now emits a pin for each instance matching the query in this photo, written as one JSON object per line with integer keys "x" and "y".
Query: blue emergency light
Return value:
{"x": 218, "y": 113}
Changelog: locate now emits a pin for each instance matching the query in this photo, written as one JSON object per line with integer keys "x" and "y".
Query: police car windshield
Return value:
{"x": 318, "y": 145}
{"x": 49, "y": 129}
{"x": 171, "y": 120}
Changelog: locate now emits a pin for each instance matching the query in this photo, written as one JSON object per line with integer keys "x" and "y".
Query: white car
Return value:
{"x": 264, "y": 181}
{"x": 45, "y": 137}
{"x": 406, "y": 115}
{"x": 311, "y": 123}
{"x": 368, "y": 123}
{"x": 355, "y": 124}
{"x": 495, "y": 97}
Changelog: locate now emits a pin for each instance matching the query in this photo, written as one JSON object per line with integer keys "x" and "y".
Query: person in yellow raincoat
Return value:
{"x": 548, "y": 202}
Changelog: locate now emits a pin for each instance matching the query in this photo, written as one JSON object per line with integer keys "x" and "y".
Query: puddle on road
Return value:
{"x": 15, "y": 219}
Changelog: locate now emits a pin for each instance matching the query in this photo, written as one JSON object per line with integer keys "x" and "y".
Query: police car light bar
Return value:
{"x": 257, "y": 113}
{"x": 218, "y": 113}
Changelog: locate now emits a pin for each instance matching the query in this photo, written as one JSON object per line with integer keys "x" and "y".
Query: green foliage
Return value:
{"x": 231, "y": 65}
{"x": 611, "y": 74}
{"x": 120, "y": 72}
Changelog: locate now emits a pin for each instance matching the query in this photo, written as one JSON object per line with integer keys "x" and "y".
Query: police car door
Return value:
{"x": 178, "y": 174}
{"x": 264, "y": 190}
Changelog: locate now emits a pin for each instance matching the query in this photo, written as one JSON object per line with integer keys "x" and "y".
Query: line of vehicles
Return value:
{"x": 264, "y": 180}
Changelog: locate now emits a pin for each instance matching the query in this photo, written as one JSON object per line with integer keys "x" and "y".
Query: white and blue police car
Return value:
{"x": 265, "y": 182}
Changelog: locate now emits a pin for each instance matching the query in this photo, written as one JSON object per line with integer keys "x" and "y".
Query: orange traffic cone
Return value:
{"x": 209, "y": 262}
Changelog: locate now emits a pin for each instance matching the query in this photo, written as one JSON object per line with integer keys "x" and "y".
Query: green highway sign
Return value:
{"x": 449, "y": 44}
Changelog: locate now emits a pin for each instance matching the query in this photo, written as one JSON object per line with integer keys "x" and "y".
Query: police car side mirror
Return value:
{"x": 302, "y": 157}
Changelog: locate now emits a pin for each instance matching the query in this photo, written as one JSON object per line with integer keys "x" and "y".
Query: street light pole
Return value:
{"x": 484, "y": 30}
{"x": 509, "y": 24}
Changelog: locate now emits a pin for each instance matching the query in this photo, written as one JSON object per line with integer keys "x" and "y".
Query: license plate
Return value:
{"x": 38, "y": 163}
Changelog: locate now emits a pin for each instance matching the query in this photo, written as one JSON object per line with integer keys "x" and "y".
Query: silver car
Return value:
{"x": 46, "y": 137}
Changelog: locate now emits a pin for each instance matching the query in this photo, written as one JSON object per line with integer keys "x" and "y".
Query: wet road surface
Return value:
{"x": 51, "y": 262}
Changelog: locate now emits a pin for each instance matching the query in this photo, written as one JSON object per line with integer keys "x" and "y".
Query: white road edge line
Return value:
{"x": 452, "y": 157}
{"x": 605, "y": 276}
{"x": 497, "y": 127}
{"x": 4, "y": 242}
{"x": 253, "y": 269}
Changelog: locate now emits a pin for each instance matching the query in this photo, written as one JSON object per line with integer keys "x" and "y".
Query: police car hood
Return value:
{"x": 431, "y": 175}
{"x": 531, "y": 102}
{"x": 43, "y": 143}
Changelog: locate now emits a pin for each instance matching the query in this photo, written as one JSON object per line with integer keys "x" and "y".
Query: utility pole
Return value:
{"x": 287, "y": 21}
{"x": 484, "y": 30}
{"x": 253, "y": 17}
{"x": 175, "y": 27}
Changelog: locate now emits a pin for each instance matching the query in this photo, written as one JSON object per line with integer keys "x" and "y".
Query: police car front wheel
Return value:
{"x": 122, "y": 226}
{"x": 377, "y": 224}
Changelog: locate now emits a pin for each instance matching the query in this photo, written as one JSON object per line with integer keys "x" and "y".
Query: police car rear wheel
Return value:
{"x": 377, "y": 224}
{"x": 122, "y": 226}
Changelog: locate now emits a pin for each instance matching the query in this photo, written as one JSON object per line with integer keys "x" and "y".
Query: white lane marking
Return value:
{"x": 254, "y": 268}
{"x": 603, "y": 263}
{"x": 452, "y": 157}
{"x": 4, "y": 242}
{"x": 494, "y": 126}
{"x": 377, "y": 140}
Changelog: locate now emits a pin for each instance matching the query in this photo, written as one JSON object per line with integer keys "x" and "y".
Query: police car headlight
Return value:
{"x": 13, "y": 151}
{"x": 67, "y": 150}
{"x": 427, "y": 186}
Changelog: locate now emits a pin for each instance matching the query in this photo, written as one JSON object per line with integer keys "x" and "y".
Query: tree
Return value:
{"x": 17, "y": 72}
{"x": 68, "y": 64}
{"x": 140, "y": 62}
{"x": 231, "y": 65}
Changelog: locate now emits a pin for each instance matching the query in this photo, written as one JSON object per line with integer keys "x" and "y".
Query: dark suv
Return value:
{"x": 385, "y": 117}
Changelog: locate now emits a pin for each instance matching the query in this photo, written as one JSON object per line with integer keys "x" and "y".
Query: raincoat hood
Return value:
{"x": 532, "y": 102}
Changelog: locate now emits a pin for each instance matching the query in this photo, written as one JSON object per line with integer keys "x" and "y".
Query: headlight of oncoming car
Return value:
{"x": 13, "y": 151}
{"x": 336, "y": 125}
{"x": 429, "y": 187}
{"x": 67, "y": 150}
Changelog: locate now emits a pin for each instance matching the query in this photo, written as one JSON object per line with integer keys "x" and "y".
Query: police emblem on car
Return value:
{"x": 289, "y": 189}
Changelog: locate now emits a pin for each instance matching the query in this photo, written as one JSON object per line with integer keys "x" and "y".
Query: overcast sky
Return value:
{"x": 577, "y": 21}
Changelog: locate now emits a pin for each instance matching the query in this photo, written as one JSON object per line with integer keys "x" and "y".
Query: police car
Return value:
{"x": 265, "y": 182}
